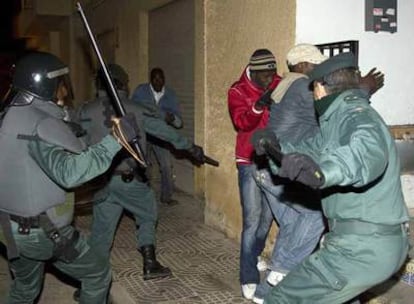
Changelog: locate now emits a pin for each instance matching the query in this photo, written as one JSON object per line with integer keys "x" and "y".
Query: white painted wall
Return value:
{"x": 324, "y": 21}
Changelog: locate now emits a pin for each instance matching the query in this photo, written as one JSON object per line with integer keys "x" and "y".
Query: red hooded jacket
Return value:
{"x": 241, "y": 99}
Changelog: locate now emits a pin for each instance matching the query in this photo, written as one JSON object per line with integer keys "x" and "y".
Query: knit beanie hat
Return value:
{"x": 262, "y": 60}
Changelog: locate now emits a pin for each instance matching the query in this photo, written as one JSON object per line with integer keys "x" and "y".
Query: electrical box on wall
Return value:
{"x": 381, "y": 15}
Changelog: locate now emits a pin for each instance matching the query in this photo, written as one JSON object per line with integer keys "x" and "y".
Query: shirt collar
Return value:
{"x": 157, "y": 95}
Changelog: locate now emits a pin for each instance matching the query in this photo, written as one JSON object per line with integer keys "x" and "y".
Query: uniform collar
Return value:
{"x": 347, "y": 95}
{"x": 322, "y": 105}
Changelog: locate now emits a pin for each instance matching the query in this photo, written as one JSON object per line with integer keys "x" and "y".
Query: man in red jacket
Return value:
{"x": 248, "y": 102}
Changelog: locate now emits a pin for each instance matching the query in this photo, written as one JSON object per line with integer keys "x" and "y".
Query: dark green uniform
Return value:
{"x": 363, "y": 203}
{"x": 93, "y": 270}
{"x": 40, "y": 157}
{"x": 133, "y": 195}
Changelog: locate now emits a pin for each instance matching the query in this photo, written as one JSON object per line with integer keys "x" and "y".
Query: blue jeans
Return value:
{"x": 257, "y": 218}
{"x": 297, "y": 211}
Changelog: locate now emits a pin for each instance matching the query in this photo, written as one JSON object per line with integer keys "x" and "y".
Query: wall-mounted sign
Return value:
{"x": 381, "y": 16}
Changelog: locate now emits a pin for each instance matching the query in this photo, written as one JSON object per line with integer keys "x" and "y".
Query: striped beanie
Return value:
{"x": 262, "y": 60}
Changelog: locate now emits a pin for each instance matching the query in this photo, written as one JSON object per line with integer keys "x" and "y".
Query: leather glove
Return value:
{"x": 264, "y": 100}
{"x": 373, "y": 81}
{"x": 197, "y": 153}
{"x": 302, "y": 168}
{"x": 129, "y": 127}
{"x": 263, "y": 140}
{"x": 169, "y": 118}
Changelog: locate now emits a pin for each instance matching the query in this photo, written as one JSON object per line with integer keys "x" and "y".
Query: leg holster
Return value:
{"x": 64, "y": 247}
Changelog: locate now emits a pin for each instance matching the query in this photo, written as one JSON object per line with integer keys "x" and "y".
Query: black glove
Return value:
{"x": 302, "y": 168}
{"x": 197, "y": 153}
{"x": 129, "y": 127}
{"x": 263, "y": 141}
{"x": 264, "y": 100}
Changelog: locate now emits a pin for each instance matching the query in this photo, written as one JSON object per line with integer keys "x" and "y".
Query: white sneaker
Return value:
{"x": 261, "y": 264}
{"x": 275, "y": 277}
{"x": 258, "y": 300}
{"x": 248, "y": 290}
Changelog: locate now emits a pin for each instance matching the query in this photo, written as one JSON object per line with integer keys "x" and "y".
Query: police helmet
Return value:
{"x": 118, "y": 75}
{"x": 39, "y": 74}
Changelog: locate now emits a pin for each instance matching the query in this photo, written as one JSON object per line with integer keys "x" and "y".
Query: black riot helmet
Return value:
{"x": 39, "y": 74}
{"x": 119, "y": 76}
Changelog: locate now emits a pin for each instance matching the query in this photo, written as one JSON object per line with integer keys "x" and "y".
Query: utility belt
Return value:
{"x": 365, "y": 228}
{"x": 64, "y": 247}
{"x": 26, "y": 223}
{"x": 128, "y": 176}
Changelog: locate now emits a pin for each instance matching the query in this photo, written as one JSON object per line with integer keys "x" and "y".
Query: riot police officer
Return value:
{"x": 354, "y": 161}
{"x": 40, "y": 157}
{"x": 126, "y": 187}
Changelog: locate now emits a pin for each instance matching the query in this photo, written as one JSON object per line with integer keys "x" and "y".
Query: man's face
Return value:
{"x": 157, "y": 82}
{"x": 307, "y": 67}
{"x": 302, "y": 67}
{"x": 263, "y": 78}
{"x": 61, "y": 94}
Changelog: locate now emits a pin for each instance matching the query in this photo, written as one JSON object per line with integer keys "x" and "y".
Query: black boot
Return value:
{"x": 152, "y": 268}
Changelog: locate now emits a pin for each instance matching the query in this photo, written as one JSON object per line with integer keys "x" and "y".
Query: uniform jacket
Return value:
{"x": 241, "y": 98}
{"x": 167, "y": 103}
{"x": 42, "y": 157}
{"x": 359, "y": 160}
{"x": 94, "y": 117}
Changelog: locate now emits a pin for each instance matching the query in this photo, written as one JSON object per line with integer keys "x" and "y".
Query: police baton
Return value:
{"x": 116, "y": 101}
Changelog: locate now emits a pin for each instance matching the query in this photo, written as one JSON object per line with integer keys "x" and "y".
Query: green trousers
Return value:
{"x": 91, "y": 269}
{"x": 343, "y": 268}
{"x": 135, "y": 197}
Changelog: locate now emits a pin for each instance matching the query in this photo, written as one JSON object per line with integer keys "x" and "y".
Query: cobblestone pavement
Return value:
{"x": 204, "y": 263}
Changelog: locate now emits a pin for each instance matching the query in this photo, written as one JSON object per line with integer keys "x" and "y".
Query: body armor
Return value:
{"x": 26, "y": 189}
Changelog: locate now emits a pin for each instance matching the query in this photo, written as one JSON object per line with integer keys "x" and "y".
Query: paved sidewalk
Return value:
{"x": 203, "y": 260}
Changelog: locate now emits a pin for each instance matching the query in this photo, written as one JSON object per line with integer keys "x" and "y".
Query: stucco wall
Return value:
{"x": 233, "y": 30}
{"x": 124, "y": 27}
